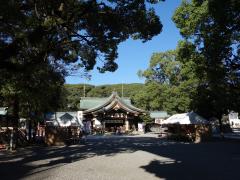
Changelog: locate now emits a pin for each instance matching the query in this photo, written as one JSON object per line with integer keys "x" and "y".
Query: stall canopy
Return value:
{"x": 3, "y": 110}
{"x": 185, "y": 118}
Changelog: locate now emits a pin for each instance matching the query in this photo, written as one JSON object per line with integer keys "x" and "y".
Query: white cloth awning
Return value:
{"x": 3, "y": 110}
{"x": 185, "y": 118}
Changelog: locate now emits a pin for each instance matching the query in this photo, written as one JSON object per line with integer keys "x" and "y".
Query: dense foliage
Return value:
{"x": 42, "y": 41}
{"x": 214, "y": 29}
{"x": 64, "y": 31}
{"x": 170, "y": 81}
{"x": 203, "y": 73}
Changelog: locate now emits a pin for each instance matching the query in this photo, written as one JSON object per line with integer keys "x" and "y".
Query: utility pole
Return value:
{"x": 86, "y": 78}
{"x": 122, "y": 89}
{"x": 84, "y": 89}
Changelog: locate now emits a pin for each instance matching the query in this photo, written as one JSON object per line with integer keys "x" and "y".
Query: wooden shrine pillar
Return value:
{"x": 126, "y": 123}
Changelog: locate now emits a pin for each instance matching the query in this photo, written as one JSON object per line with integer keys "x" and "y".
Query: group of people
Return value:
{"x": 77, "y": 134}
{"x": 118, "y": 130}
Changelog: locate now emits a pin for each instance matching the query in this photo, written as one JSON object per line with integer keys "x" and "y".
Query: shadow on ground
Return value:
{"x": 212, "y": 160}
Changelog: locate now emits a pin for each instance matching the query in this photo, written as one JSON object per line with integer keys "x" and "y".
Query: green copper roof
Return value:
{"x": 91, "y": 102}
{"x": 113, "y": 102}
{"x": 159, "y": 114}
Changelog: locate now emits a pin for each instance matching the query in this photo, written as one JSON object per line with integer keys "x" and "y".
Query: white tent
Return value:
{"x": 185, "y": 118}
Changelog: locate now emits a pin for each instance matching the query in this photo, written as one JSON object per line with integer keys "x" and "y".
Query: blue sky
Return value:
{"x": 133, "y": 55}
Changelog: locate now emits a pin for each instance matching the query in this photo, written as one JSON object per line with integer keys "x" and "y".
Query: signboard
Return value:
{"x": 80, "y": 115}
{"x": 233, "y": 115}
{"x": 141, "y": 127}
{"x": 114, "y": 121}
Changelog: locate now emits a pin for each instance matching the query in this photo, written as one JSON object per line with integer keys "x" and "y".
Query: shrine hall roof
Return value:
{"x": 91, "y": 104}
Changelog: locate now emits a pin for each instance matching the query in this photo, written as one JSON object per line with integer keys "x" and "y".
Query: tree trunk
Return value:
{"x": 29, "y": 129}
{"x": 14, "y": 134}
{"x": 220, "y": 125}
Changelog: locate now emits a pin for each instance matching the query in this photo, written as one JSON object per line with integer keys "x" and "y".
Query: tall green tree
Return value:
{"x": 163, "y": 68}
{"x": 64, "y": 35}
{"x": 170, "y": 80}
{"x": 30, "y": 95}
{"x": 50, "y": 38}
{"x": 213, "y": 27}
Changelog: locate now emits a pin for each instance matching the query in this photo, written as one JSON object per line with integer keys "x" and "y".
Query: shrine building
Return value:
{"x": 111, "y": 112}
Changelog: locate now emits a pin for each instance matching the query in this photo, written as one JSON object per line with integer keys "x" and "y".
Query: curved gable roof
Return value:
{"x": 111, "y": 102}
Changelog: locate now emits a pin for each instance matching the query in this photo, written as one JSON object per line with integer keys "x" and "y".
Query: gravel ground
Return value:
{"x": 124, "y": 166}
{"x": 140, "y": 157}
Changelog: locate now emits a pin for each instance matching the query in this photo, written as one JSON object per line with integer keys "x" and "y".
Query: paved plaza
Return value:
{"x": 125, "y": 158}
